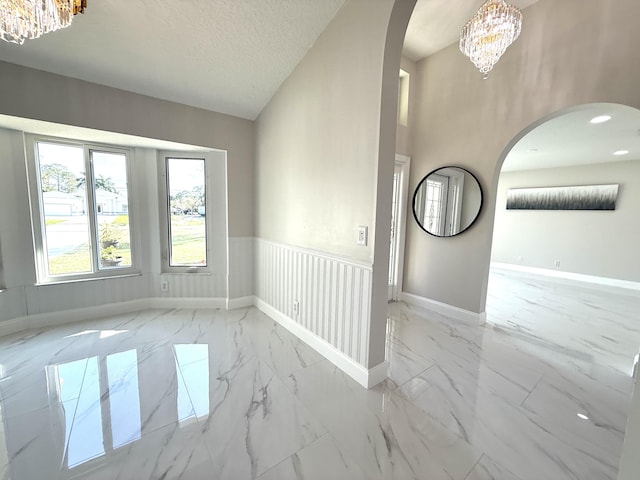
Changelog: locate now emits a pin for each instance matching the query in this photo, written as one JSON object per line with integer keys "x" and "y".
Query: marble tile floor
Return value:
{"x": 209, "y": 394}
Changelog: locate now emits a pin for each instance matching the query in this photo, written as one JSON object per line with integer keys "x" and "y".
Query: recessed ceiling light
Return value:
{"x": 601, "y": 119}
{"x": 621, "y": 152}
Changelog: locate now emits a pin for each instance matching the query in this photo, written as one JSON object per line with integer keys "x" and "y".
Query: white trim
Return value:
{"x": 450, "y": 311}
{"x": 240, "y": 302}
{"x": 63, "y": 317}
{"x": 377, "y": 374}
{"x": 401, "y": 223}
{"x": 579, "y": 277}
{"x": 189, "y": 302}
{"x": 365, "y": 377}
{"x": 317, "y": 253}
{"x": 15, "y": 325}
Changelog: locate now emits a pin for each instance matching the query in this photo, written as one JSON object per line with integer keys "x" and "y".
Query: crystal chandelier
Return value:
{"x": 486, "y": 36}
{"x": 27, "y": 19}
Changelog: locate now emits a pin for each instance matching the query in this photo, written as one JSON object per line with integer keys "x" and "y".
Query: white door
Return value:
{"x": 398, "y": 223}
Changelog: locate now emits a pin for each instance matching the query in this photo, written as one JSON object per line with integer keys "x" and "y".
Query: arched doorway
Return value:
{"x": 577, "y": 257}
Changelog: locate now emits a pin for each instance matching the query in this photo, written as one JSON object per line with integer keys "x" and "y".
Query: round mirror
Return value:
{"x": 447, "y": 201}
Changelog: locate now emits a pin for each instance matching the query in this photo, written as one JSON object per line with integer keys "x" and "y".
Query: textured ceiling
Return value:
{"x": 571, "y": 139}
{"x": 436, "y": 24}
{"x": 229, "y": 56}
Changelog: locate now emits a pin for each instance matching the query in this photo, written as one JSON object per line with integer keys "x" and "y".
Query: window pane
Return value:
{"x": 187, "y": 225}
{"x": 64, "y": 204}
{"x": 112, "y": 217}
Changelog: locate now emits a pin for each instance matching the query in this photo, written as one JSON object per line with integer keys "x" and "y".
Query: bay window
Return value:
{"x": 80, "y": 209}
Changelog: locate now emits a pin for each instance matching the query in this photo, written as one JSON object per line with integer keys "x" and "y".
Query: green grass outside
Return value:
{"x": 188, "y": 247}
{"x": 76, "y": 261}
{"x": 120, "y": 221}
{"x": 188, "y": 243}
{"x": 53, "y": 221}
{"x": 79, "y": 260}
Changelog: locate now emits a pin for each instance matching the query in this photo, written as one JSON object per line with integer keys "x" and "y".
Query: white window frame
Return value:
{"x": 38, "y": 217}
{"x": 163, "y": 190}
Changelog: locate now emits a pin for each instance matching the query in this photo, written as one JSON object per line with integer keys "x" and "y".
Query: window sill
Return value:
{"x": 92, "y": 279}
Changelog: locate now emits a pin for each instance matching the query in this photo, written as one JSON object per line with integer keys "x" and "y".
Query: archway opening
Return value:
{"x": 564, "y": 274}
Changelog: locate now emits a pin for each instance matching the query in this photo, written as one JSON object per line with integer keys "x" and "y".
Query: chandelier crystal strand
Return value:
{"x": 488, "y": 34}
{"x": 28, "y": 19}
{"x": 15, "y": 18}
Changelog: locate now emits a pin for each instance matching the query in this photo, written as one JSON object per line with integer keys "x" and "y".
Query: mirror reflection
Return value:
{"x": 447, "y": 201}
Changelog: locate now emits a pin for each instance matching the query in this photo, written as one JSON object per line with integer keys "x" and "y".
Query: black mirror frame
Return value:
{"x": 415, "y": 192}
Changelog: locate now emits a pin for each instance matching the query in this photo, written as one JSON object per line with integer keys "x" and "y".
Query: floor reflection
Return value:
{"x": 208, "y": 394}
{"x": 124, "y": 397}
{"x": 192, "y": 361}
{"x": 96, "y": 404}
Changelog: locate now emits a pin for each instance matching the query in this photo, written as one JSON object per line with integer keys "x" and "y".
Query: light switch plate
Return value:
{"x": 362, "y": 235}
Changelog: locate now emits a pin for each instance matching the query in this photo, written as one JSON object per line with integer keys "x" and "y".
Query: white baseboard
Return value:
{"x": 365, "y": 377}
{"x": 15, "y": 325}
{"x": 71, "y": 316}
{"x": 611, "y": 282}
{"x": 189, "y": 302}
{"x": 450, "y": 311}
{"x": 62, "y": 317}
{"x": 377, "y": 374}
{"x": 240, "y": 302}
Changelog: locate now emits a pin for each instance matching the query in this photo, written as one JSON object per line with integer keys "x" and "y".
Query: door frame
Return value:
{"x": 404, "y": 164}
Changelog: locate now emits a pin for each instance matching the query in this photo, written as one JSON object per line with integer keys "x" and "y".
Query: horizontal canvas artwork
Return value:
{"x": 587, "y": 197}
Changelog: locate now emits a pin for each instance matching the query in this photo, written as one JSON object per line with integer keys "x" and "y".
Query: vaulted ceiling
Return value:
{"x": 229, "y": 56}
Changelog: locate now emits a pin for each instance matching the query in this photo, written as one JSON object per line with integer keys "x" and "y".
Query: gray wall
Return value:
{"x": 325, "y": 145}
{"x": 53, "y": 98}
{"x": 598, "y": 243}
{"x": 570, "y": 53}
{"x": 67, "y": 101}
{"x": 317, "y": 139}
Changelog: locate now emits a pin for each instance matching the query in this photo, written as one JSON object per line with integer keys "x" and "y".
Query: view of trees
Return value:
{"x": 102, "y": 183}
{"x": 188, "y": 200}
{"x": 57, "y": 178}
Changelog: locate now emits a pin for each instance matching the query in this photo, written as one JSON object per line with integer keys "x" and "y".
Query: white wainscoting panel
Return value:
{"x": 74, "y": 295}
{"x": 333, "y": 294}
{"x": 241, "y": 267}
{"x": 192, "y": 285}
{"x": 12, "y": 304}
